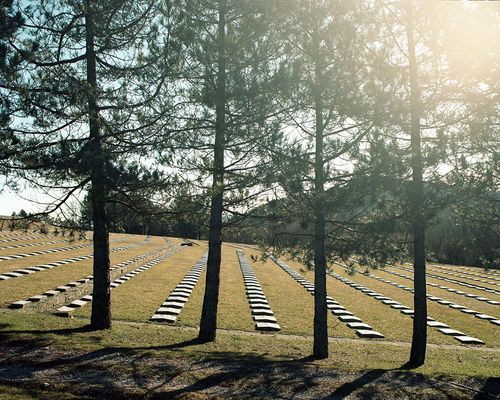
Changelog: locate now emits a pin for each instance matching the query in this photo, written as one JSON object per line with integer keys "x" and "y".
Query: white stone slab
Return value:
{"x": 180, "y": 299}
{"x": 77, "y": 303}
{"x": 468, "y": 311}
{"x": 267, "y": 326}
{"x": 25, "y": 271}
{"x": 265, "y": 318}
{"x": 51, "y": 293}
{"x": 340, "y": 311}
{"x": 63, "y": 288}
{"x": 485, "y": 316}
{"x": 181, "y": 290}
{"x": 177, "y": 293}
{"x": 349, "y": 318}
{"x": 64, "y": 310}
{"x": 164, "y": 318}
{"x": 255, "y": 291}
{"x": 19, "y": 304}
{"x": 37, "y": 298}
{"x": 437, "y": 324}
{"x": 408, "y": 311}
{"x": 262, "y": 311}
{"x": 451, "y": 332}
{"x": 13, "y": 274}
{"x": 369, "y": 334}
{"x": 358, "y": 325}
{"x": 495, "y": 321}
{"x": 185, "y": 286}
{"x": 257, "y": 296}
{"x": 174, "y": 304}
{"x": 257, "y": 301}
{"x": 468, "y": 340}
{"x": 168, "y": 310}
{"x": 260, "y": 306}
{"x": 399, "y": 307}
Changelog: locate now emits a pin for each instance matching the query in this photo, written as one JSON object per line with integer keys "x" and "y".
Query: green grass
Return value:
{"x": 27, "y": 393}
{"x": 134, "y": 302}
{"x": 160, "y": 341}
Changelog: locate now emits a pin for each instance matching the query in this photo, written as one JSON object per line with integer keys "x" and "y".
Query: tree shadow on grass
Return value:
{"x": 489, "y": 390}
{"x": 63, "y": 331}
{"x": 348, "y": 388}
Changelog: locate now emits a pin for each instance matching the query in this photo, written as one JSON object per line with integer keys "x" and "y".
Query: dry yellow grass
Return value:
{"x": 473, "y": 304}
{"x": 11, "y": 265}
{"x": 292, "y": 304}
{"x": 455, "y": 319}
{"x": 234, "y": 310}
{"x": 23, "y": 287}
{"x": 451, "y": 285}
{"x": 138, "y": 298}
{"x": 457, "y": 275}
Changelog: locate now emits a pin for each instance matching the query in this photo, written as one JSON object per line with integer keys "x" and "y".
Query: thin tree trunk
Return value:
{"x": 320, "y": 348}
{"x": 208, "y": 323}
{"x": 419, "y": 339}
{"x": 101, "y": 299}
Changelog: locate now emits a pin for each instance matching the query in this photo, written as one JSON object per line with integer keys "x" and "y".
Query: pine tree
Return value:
{"x": 81, "y": 97}
{"x": 229, "y": 121}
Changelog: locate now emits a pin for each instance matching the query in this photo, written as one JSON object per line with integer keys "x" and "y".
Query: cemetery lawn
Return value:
{"x": 48, "y": 356}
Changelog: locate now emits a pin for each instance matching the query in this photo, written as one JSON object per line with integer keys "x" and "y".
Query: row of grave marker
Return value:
{"x": 448, "y": 289}
{"x": 262, "y": 314}
{"x": 439, "y": 300}
{"x": 465, "y": 275}
{"x": 50, "y": 251}
{"x": 173, "y": 305}
{"x": 43, "y": 267}
{"x": 64, "y": 288}
{"x": 362, "y": 330}
{"x": 405, "y": 310}
{"x": 20, "y": 245}
{"x": 76, "y": 304}
{"x": 457, "y": 282}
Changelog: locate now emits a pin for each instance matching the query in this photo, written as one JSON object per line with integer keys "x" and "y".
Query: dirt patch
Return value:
{"x": 120, "y": 373}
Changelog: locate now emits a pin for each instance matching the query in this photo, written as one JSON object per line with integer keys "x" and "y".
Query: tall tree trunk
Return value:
{"x": 419, "y": 339}
{"x": 208, "y": 323}
{"x": 320, "y": 348}
{"x": 101, "y": 299}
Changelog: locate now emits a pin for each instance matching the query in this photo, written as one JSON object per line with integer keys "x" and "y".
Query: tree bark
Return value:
{"x": 320, "y": 348}
{"x": 419, "y": 339}
{"x": 208, "y": 323}
{"x": 101, "y": 296}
